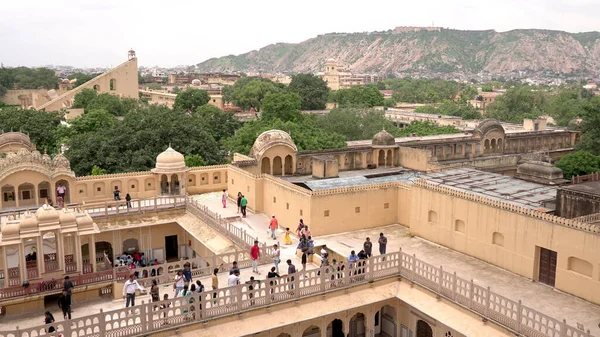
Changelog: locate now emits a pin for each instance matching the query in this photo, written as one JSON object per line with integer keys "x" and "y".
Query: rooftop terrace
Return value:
{"x": 496, "y": 187}
{"x": 355, "y": 178}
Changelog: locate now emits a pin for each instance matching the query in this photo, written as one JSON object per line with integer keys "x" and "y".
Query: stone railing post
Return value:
{"x": 105, "y": 209}
{"x": 140, "y": 205}
{"x": 268, "y": 289}
{"x": 323, "y": 279}
{"x": 471, "y": 294}
{"x": 440, "y": 280}
{"x": 400, "y": 255}
{"x": 454, "y": 281}
{"x": 143, "y": 318}
{"x": 101, "y": 324}
{"x": 239, "y": 297}
{"x": 297, "y": 286}
{"x": 519, "y": 317}
{"x": 563, "y": 328}
{"x": 155, "y": 203}
{"x": 487, "y": 303}
{"x": 414, "y": 267}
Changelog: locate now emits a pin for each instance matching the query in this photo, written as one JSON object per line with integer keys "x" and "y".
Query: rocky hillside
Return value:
{"x": 443, "y": 51}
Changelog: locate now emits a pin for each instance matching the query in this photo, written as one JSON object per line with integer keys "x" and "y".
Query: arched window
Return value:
{"x": 113, "y": 84}
{"x": 432, "y": 217}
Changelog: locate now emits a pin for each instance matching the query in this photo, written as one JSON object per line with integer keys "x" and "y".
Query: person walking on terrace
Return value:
{"x": 276, "y": 257}
{"x": 382, "y": 244}
{"x": 243, "y": 204}
{"x": 129, "y": 289}
{"x": 368, "y": 247}
{"x": 273, "y": 226}
{"x": 300, "y": 228}
{"x": 224, "y": 198}
{"x": 255, "y": 254}
{"x": 239, "y": 202}
{"x": 65, "y": 305}
{"x": 179, "y": 283}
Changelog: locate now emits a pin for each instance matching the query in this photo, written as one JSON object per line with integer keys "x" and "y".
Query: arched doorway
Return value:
{"x": 357, "y": 325}
{"x": 49, "y": 250}
{"x": 101, "y": 263}
{"x": 26, "y": 195}
{"x": 130, "y": 246}
{"x": 43, "y": 192}
{"x": 8, "y": 196}
{"x": 277, "y": 167}
{"x": 265, "y": 165}
{"x": 312, "y": 331}
{"x": 335, "y": 328}
{"x": 423, "y": 329}
{"x": 31, "y": 257}
{"x": 381, "y": 158}
{"x": 289, "y": 165}
{"x": 387, "y": 321}
{"x": 500, "y": 145}
{"x": 164, "y": 184}
{"x": 174, "y": 184}
{"x": 486, "y": 146}
{"x": 389, "y": 158}
{"x": 493, "y": 145}
{"x": 67, "y": 191}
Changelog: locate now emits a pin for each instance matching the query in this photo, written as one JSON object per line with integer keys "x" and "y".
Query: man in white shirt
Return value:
{"x": 233, "y": 279}
{"x": 129, "y": 289}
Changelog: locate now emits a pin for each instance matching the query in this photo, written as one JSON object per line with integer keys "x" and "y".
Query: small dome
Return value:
{"x": 383, "y": 138}
{"x": 10, "y": 229}
{"x": 61, "y": 161}
{"x": 66, "y": 81}
{"x": 29, "y": 222}
{"x": 169, "y": 161}
{"x": 23, "y": 155}
{"x": 67, "y": 216}
{"x": 15, "y": 138}
{"x": 330, "y": 60}
{"x": 36, "y": 156}
{"x": 47, "y": 214}
{"x": 196, "y": 82}
{"x": 84, "y": 221}
{"x": 489, "y": 125}
{"x": 268, "y": 139}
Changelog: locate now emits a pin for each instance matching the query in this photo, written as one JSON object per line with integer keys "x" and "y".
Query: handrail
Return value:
{"x": 227, "y": 301}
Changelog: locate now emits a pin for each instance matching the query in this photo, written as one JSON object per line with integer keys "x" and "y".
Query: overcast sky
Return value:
{"x": 88, "y": 33}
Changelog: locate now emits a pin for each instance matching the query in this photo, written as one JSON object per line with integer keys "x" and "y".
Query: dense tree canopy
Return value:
{"x": 313, "y": 91}
{"x": 81, "y": 78}
{"x": 27, "y": 78}
{"x": 517, "y": 104}
{"x": 219, "y": 124}
{"x": 422, "y": 90}
{"x": 190, "y": 99}
{"x": 84, "y": 97}
{"x": 590, "y": 134}
{"x": 283, "y": 106}
{"x": 451, "y": 108}
{"x": 358, "y": 96}
{"x": 39, "y": 125}
{"x": 578, "y": 163}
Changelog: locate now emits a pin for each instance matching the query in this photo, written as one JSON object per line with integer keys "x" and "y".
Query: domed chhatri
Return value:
{"x": 488, "y": 125}
{"x": 170, "y": 161}
{"x": 269, "y": 139}
{"x": 196, "y": 82}
{"x": 383, "y": 138}
{"x": 47, "y": 214}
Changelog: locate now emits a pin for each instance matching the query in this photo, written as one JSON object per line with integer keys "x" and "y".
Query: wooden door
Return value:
{"x": 547, "y": 267}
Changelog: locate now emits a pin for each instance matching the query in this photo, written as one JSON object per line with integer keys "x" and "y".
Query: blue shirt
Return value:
{"x": 352, "y": 258}
{"x": 187, "y": 274}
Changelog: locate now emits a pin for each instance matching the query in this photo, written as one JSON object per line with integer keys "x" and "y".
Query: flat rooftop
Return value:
{"x": 355, "y": 178}
{"x": 495, "y": 186}
{"x": 590, "y": 187}
{"x": 401, "y": 140}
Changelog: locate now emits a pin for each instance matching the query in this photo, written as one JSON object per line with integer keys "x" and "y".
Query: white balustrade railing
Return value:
{"x": 164, "y": 315}
{"x": 121, "y": 207}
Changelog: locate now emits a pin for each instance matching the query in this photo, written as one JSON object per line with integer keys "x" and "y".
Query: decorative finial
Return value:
{"x": 34, "y": 147}
{"x": 45, "y": 150}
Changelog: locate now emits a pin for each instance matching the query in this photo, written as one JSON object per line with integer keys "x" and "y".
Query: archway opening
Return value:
{"x": 63, "y": 190}
{"x": 289, "y": 165}
{"x": 335, "y": 328}
{"x": 277, "y": 166}
{"x": 493, "y": 145}
{"x": 113, "y": 84}
{"x": 389, "y": 161}
{"x": 97, "y": 87}
{"x": 104, "y": 255}
{"x": 31, "y": 250}
{"x": 8, "y": 196}
{"x": 423, "y": 329}
{"x": 49, "y": 251}
{"x": 44, "y": 194}
{"x": 174, "y": 184}
{"x": 26, "y": 195}
{"x": 357, "y": 325}
{"x": 500, "y": 145}
{"x": 265, "y": 165}
{"x": 387, "y": 321}
{"x": 312, "y": 331}
{"x": 130, "y": 246}
{"x": 381, "y": 158}
{"x": 486, "y": 146}
{"x": 164, "y": 184}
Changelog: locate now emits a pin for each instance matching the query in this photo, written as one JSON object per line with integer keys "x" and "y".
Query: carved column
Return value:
{"x": 60, "y": 250}
{"x": 370, "y": 323}
{"x": 77, "y": 248}
{"x": 92, "y": 248}
{"x": 271, "y": 165}
{"x": 22, "y": 262}
{"x": 40, "y": 258}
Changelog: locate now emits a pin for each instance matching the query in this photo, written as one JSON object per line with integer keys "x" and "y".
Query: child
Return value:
{"x": 48, "y": 318}
{"x": 287, "y": 239}
{"x": 165, "y": 305}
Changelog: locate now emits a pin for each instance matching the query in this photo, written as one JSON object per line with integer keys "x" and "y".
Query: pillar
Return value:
{"x": 370, "y": 323}
{"x": 346, "y": 325}
{"x": 5, "y": 264}
{"x": 22, "y": 262}
{"x": 16, "y": 188}
{"x": 52, "y": 196}
{"x": 40, "y": 258}
{"x": 384, "y": 163}
{"x": 271, "y": 166}
{"x": 77, "y": 248}
{"x": 323, "y": 327}
{"x": 60, "y": 250}
{"x": 92, "y": 248}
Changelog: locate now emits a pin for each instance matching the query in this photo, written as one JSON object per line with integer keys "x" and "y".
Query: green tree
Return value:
{"x": 468, "y": 94}
{"x": 154, "y": 86}
{"x": 355, "y": 123}
{"x": 422, "y": 90}
{"x": 516, "y": 104}
{"x": 219, "y": 124}
{"x": 590, "y": 134}
{"x": 28, "y": 78}
{"x": 97, "y": 171}
{"x": 39, "y": 125}
{"x": 578, "y": 163}
{"x": 361, "y": 96}
{"x": 389, "y": 103}
{"x": 191, "y": 99}
{"x": 108, "y": 102}
{"x": 252, "y": 94}
{"x": 176, "y": 90}
{"x": 283, "y": 106}
{"x": 451, "y": 108}
{"x": 84, "y": 97}
{"x": 194, "y": 161}
{"x": 313, "y": 91}
{"x": 94, "y": 120}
